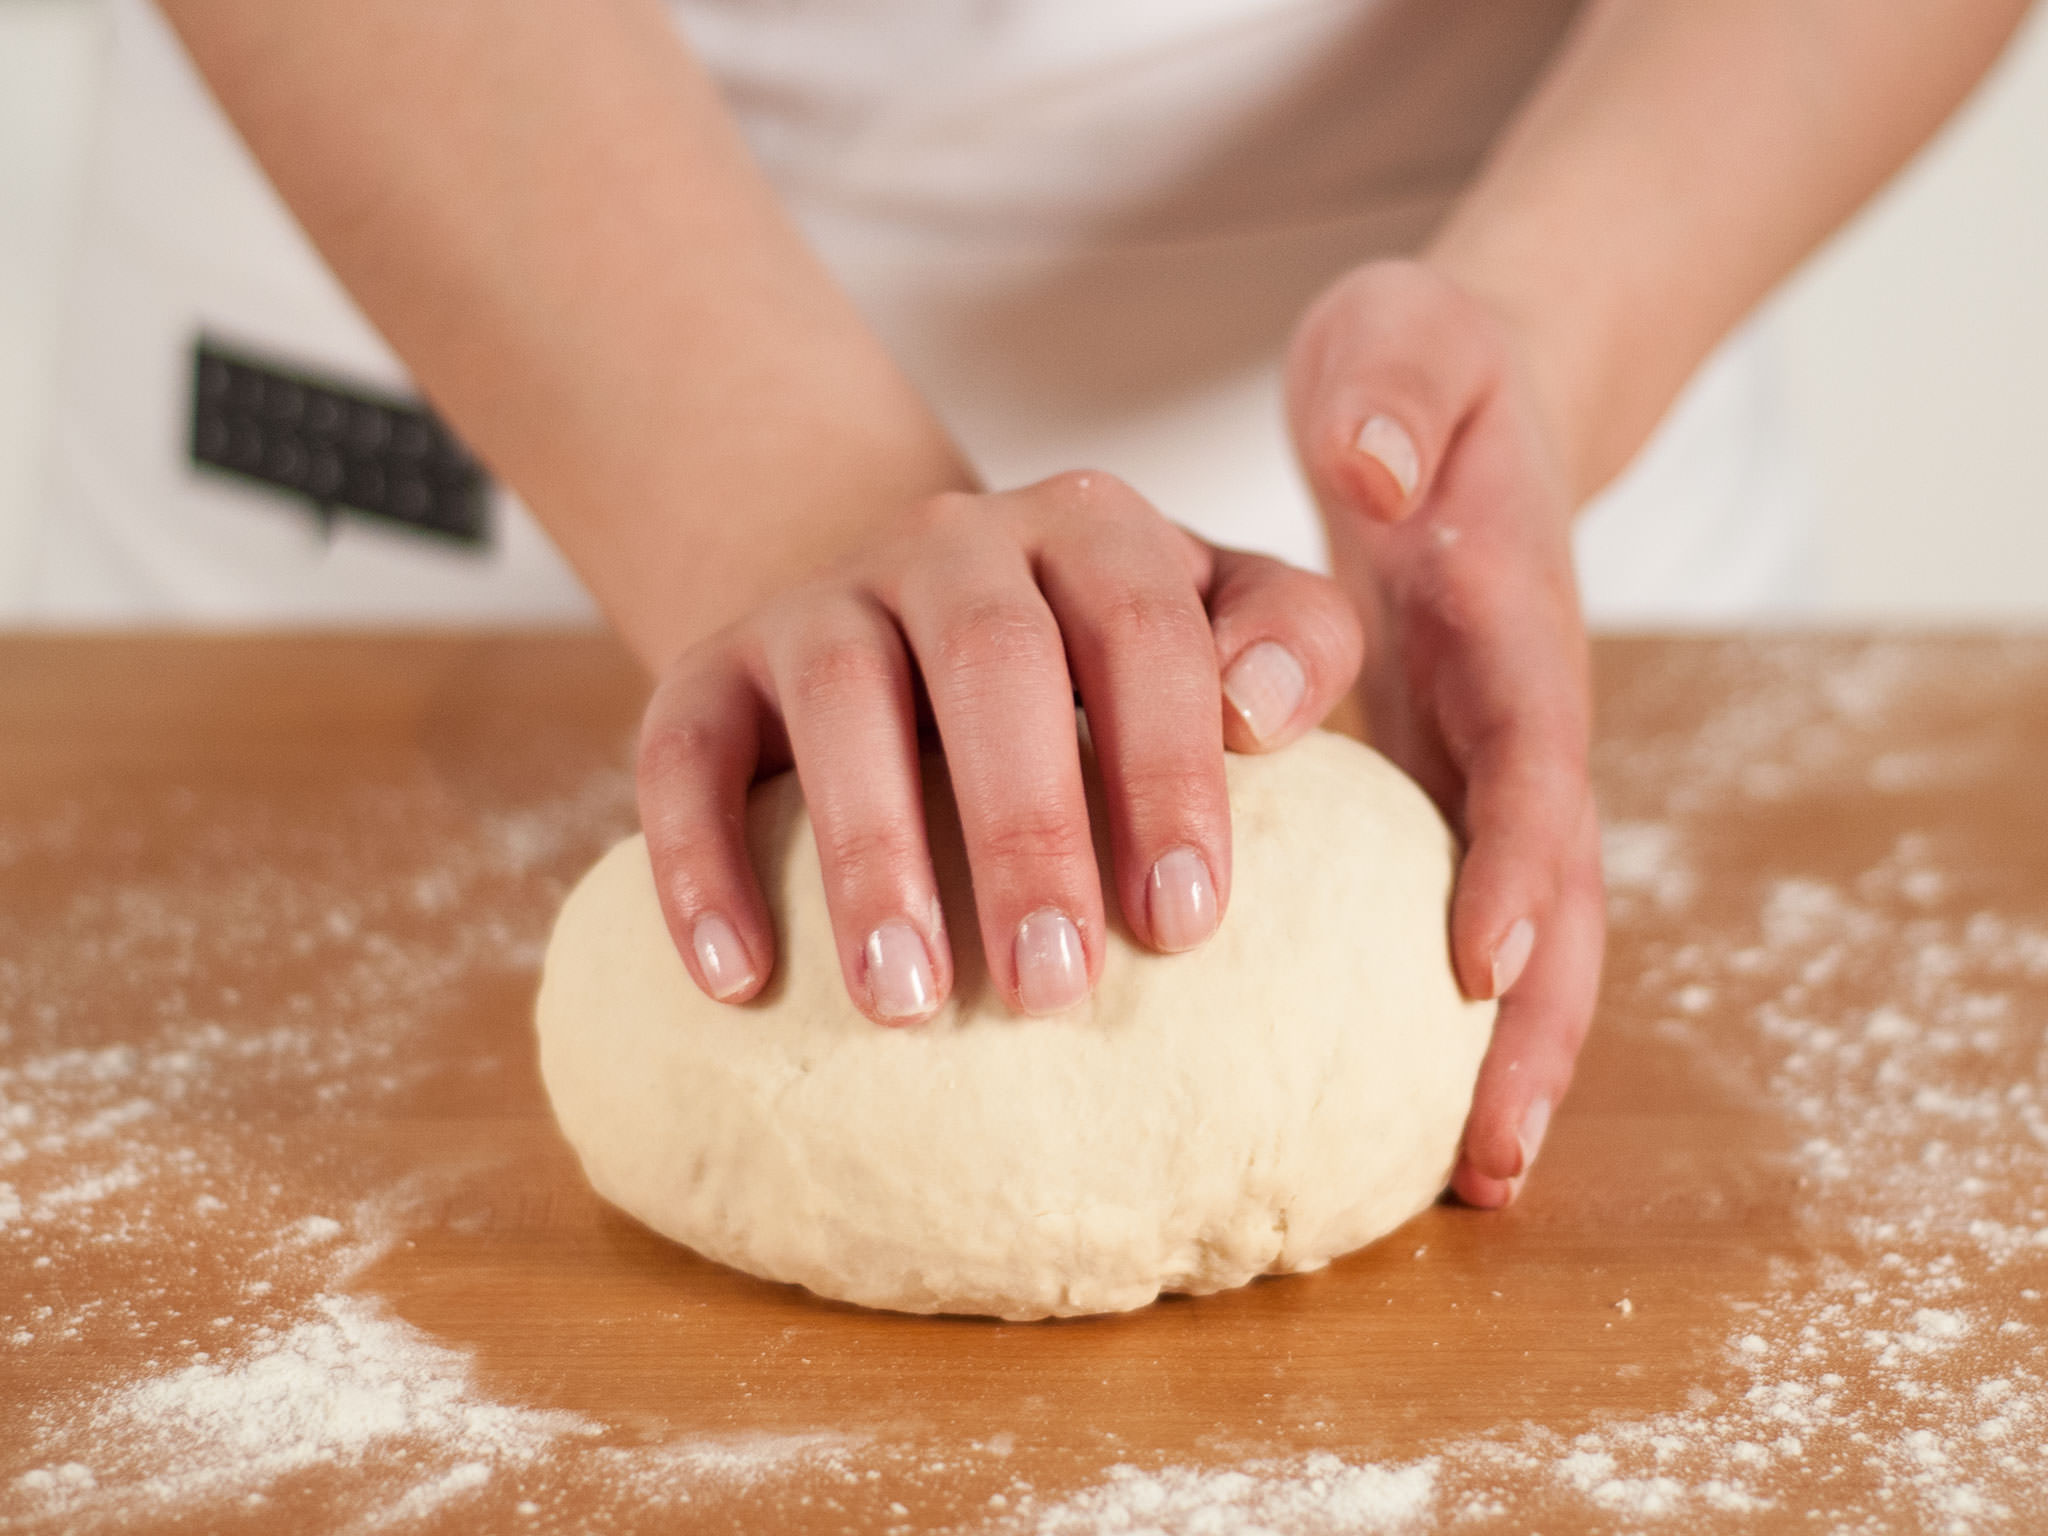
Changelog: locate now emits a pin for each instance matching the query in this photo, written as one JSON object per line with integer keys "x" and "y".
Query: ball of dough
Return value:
{"x": 1291, "y": 1090}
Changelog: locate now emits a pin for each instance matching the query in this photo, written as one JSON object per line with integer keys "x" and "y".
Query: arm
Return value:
{"x": 1675, "y": 164}
{"x": 1454, "y": 412}
{"x": 552, "y": 218}
{"x": 545, "y": 208}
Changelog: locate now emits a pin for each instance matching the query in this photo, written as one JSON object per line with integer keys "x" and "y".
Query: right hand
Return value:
{"x": 1000, "y": 607}
{"x": 1450, "y": 518}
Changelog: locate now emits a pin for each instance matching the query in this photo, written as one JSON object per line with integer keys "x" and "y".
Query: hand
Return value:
{"x": 996, "y": 607}
{"x": 1420, "y": 428}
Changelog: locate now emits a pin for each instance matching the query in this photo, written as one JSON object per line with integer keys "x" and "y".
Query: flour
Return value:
{"x": 122, "y": 1148}
{"x": 1895, "y": 1036}
{"x": 352, "y": 1389}
{"x": 1888, "y": 1015}
{"x": 343, "y": 1388}
{"x": 1889, "y": 1383}
{"x": 1307, "y": 1496}
{"x": 1642, "y": 860}
{"x": 126, "y": 1148}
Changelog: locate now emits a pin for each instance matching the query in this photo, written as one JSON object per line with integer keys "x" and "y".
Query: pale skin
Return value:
{"x": 546, "y": 209}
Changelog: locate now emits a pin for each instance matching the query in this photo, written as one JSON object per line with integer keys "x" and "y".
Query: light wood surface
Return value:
{"x": 270, "y": 910}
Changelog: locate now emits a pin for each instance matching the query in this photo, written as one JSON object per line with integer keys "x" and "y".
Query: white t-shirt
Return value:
{"x": 1084, "y": 229}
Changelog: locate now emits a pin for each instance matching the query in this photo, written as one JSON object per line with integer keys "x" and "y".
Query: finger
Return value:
{"x": 701, "y": 745}
{"x": 1389, "y": 364}
{"x": 1116, "y": 576}
{"x": 1288, "y": 645}
{"x": 841, "y": 679}
{"x": 1542, "y": 1024}
{"x": 1525, "y": 799}
{"x": 995, "y": 671}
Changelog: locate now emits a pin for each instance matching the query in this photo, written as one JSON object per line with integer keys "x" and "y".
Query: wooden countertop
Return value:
{"x": 288, "y": 1241}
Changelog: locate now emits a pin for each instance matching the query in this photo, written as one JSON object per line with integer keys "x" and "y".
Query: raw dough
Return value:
{"x": 1286, "y": 1093}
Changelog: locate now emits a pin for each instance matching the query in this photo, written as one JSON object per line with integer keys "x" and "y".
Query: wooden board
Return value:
{"x": 288, "y": 1241}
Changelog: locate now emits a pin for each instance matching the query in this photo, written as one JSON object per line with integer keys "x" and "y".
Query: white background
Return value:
{"x": 1915, "y": 345}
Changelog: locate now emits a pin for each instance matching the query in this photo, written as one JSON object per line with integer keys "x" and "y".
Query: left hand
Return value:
{"x": 1415, "y": 415}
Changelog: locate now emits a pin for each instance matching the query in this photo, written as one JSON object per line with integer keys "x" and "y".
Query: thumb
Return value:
{"x": 1288, "y": 645}
{"x": 1383, "y": 371}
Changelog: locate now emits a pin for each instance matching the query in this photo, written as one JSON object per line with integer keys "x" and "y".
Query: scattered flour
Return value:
{"x": 132, "y": 1158}
{"x": 124, "y": 1160}
{"x": 1317, "y": 1495}
{"x": 1887, "y": 1384}
{"x": 346, "y": 1387}
{"x": 1892, "y": 1377}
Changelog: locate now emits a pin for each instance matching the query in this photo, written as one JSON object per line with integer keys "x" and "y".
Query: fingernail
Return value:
{"x": 1265, "y": 686}
{"x": 1052, "y": 969}
{"x": 721, "y": 956}
{"x": 1180, "y": 901}
{"x": 1386, "y": 440}
{"x": 899, "y": 973}
{"x": 1529, "y": 1140}
{"x": 1512, "y": 955}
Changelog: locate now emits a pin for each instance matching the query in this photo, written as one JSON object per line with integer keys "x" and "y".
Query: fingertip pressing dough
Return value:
{"x": 1290, "y": 1091}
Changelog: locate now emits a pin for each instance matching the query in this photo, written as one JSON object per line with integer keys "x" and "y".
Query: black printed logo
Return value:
{"x": 337, "y": 447}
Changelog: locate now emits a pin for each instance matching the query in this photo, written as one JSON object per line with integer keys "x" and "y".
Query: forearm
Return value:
{"x": 547, "y": 211}
{"x": 1679, "y": 160}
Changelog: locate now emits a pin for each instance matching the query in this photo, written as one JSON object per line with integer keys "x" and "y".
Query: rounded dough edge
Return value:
{"x": 1029, "y": 1168}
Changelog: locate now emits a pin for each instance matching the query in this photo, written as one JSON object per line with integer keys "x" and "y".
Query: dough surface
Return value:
{"x": 1292, "y": 1090}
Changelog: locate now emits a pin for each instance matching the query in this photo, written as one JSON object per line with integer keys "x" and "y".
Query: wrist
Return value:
{"x": 1556, "y": 335}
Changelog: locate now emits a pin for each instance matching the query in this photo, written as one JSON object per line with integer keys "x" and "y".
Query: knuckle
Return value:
{"x": 949, "y": 525}
{"x": 683, "y": 898}
{"x": 864, "y": 854}
{"x": 831, "y": 668}
{"x": 676, "y": 747}
{"x": 1454, "y": 594}
{"x": 948, "y": 509}
{"x": 1324, "y": 624}
{"x": 939, "y": 529}
{"x": 1153, "y": 618}
{"x": 1033, "y": 835}
{"x": 1096, "y": 494}
{"x": 995, "y": 633}
{"x": 1164, "y": 792}
{"x": 1539, "y": 755}
{"x": 788, "y": 609}
{"x": 1086, "y": 487}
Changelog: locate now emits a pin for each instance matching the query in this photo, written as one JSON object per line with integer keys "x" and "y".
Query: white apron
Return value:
{"x": 1084, "y": 228}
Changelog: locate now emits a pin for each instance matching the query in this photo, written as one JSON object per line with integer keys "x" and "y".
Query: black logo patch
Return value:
{"x": 335, "y": 446}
